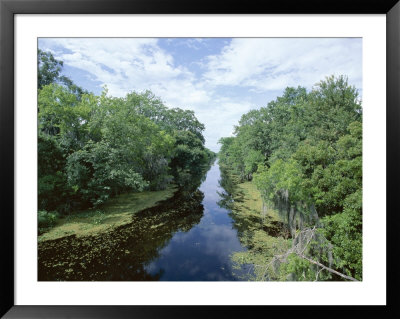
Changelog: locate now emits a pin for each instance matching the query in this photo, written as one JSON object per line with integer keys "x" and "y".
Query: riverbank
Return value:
{"x": 120, "y": 253}
{"x": 116, "y": 212}
{"x": 260, "y": 229}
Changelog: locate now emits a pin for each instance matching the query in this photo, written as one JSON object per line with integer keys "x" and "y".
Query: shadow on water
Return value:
{"x": 122, "y": 254}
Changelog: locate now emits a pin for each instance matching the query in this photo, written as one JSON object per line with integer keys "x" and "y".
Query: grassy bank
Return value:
{"x": 116, "y": 212}
{"x": 262, "y": 231}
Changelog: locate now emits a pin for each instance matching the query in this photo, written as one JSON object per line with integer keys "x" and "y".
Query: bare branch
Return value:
{"x": 316, "y": 277}
{"x": 327, "y": 268}
{"x": 297, "y": 249}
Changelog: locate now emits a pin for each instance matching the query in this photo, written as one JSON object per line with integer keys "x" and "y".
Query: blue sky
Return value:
{"x": 219, "y": 78}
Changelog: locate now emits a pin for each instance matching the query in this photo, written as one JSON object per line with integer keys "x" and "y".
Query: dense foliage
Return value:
{"x": 304, "y": 150}
{"x": 93, "y": 147}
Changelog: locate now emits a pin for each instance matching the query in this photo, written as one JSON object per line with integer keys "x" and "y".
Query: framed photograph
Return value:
{"x": 173, "y": 159}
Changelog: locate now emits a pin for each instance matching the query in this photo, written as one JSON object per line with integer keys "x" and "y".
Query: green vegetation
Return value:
{"x": 92, "y": 148}
{"x": 260, "y": 228}
{"x": 116, "y": 212}
{"x": 123, "y": 252}
{"x": 263, "y": 234}
{"x": 107, "y": 166}
{"x": 304, "y": 153}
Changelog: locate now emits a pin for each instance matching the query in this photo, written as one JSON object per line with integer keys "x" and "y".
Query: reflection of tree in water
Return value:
{"x": 190, "y": 181}
{"x": 229, "y": 195}
{"x": 229, "y": 188}
{"x": 122, "y": 253}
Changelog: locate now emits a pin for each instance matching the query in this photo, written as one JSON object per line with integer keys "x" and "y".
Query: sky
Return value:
{"x": 219, "y": 78}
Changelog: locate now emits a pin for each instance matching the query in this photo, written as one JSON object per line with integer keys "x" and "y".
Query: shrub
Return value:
{"x": 46, "y": 220}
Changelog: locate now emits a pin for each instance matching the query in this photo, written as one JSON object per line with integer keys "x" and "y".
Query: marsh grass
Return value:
{"x": 263, "y": 236}
{"x": 116, "y": 212}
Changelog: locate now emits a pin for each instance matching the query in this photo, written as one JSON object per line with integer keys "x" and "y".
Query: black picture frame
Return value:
{"x": 8, "y": 8}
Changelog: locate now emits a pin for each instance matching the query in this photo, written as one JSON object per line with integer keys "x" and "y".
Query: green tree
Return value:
{"x": 94, "y": 147}
{"x": 49, "y": 68}
{"x": 53, "y": 192}
{"x": 63, "y": 115}
{"x": 312, "y": 149}
{"x": 50, "y": 71}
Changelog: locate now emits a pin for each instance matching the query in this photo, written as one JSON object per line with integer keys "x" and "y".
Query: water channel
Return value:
{"x": 189, "y": 237}
{"x": 203, "y": 252}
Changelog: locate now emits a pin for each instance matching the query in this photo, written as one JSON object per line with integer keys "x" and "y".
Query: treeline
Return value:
{"x": 93, "y": 147}
{"x": 304, "y": 153}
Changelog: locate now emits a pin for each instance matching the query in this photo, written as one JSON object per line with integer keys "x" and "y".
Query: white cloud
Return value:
{"x": 182, "y": 93}
{"x": 275, "y": 63}
{"x": 123, "y": 64}
{"x": 248, "y": 66}
{"x": 220, "y": 119}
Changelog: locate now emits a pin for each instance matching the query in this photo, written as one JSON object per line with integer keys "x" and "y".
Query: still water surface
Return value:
{"x": 203, "y": 252}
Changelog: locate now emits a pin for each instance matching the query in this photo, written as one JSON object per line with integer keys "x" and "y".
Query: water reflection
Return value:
{"x": 228, "y": 187}
{"x": 203, "y": 253}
